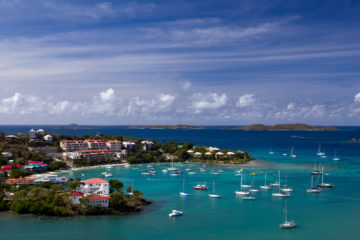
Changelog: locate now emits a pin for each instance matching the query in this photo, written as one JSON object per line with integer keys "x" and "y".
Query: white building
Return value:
{"x": 75, "y": 197}
{"x": 73, "y": 145}
{"x": 114, "y": 145}
{"x": 197, "y": 154}
{"x": 32, "y": 134}
{"x": 129, "y": 145}
{"x": 49, "y": 138}
{"x": 147, "y": 145}
{"x": 95, "y": 186}
{"x": 97, "y": 201}
{"x": 190, "y": 152}
{"x": 122, "y": 154}
{"x": 95, "y": 144}
{"x": 219, "y": 155}
{"x": 40, "y": 133}
{"x": 7, "y": 154}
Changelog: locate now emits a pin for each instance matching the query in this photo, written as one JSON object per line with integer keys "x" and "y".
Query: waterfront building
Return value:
{"x": 7, "y": 154}
{"x": 114, "y": 145}
{"x": 197, "y": 154}
{"x": 208, "y": 154}
{"x": 147, "y": 145}
{"x": 94, "y": 186}
{"x": 93, "y": 154}
{"x": 40, "y": 133}
{"x": 11, "y": 138}
{"x": 49, "y": 138}
{"x": 20, "y": 181}
{"x": 95, "y": 144}
{"x": 190, "y": 152}
{"x": 76, "y": 196}
{"x": 230, "y": 154}
{"x": 122, "y": 154}
{"x": 129, "y": 145}
{"x": 73, "y": 145}
{"x": 97, "y": 201}
{"x": 32, "y": 134}
{"x": 219, "y": 155}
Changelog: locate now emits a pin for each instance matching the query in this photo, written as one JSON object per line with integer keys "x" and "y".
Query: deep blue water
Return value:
{"x": 332, "y": 214}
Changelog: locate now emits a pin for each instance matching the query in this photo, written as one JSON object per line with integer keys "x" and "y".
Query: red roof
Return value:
{"x": 77, "y": 194}
{"x": 98, "y": 197}
{"x": 6, "y": 167}
{"x": 95, "y": 180}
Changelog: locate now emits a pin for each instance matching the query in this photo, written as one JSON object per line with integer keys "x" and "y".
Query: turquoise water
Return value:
{"x": 332, "y": 214}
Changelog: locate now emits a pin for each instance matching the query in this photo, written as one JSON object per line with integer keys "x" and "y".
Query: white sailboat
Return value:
{"x": 183, "y": 193}
{"x": 271, "y": 151}
{"x": 312, "y": 189}
{"x": 276, "y": 184}
{"x": 286, "y": 188}
{"x": 287, "y": 224}
{"x": 316, "y": 171}
{"x": 175, "y": 213}
{"x": 279, "y": 193}
{"x": 265, "y": 187}
{"x": 214, "y": 195}
{"x": 292, "y": 152}
{"x": 246, "y": 185}
{"x": 336, "y": 158}
{"x": 250, "y": 197}
{"x": 241, "y": 192}
{"x": 172, "y": 168}
{"x": 319, "y": 152}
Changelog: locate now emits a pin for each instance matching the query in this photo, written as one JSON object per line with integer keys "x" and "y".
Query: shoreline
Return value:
{"x": 256, "y": 163}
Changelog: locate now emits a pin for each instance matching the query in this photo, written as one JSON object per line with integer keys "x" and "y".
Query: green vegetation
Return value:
{"x": 54, "y": 200}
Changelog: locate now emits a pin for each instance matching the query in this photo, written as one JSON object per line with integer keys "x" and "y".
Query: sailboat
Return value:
{"x": 286, "y": 188}
{"x": 312, "y": 189}
{"x": 172, "y": 168}
{"x": 279, "y": 193}
{"x": 287, "y": 224}
{"x": 246, "y": 185}
{"x": 183, "y": 193}
{"x": 201, "y": 187}
{"x": 214, "y": 195}
{"x": 132, "y": 188}
{"x": 265, "y": 187}
{"x": 250, "y": 197}
{"x": 316, "y": 172}
{"x": 336, "y": 158}
{"x": 241, "y": 192}
{"x": 253, "y": 189}
{"x": 322, "y": 184}
{"x": 292, "y": 152}
{"x": 276, "y": 184}
{"x": 319, "y": 152}
{"x": 271, "y": 151}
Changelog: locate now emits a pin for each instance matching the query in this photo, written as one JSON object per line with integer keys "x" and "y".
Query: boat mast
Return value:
{"x": 285, "y": 210}
{"x": 241, "y": 182}
{"x": 214, "y": 187}
{"x": 265, "y": 178}
{"x": 322, "y": 175}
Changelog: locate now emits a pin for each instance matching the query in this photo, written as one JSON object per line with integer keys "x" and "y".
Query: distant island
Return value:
{"x": 279, "y": 127}
{"x": 74, "y": 126}
{"x": 166, "y": 127}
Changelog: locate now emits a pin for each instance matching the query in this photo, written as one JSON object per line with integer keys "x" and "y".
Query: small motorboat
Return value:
{"x": 203, "y": 170}
{"x": 108, "y": 175}
{"x": 175, "y": 213}
{"x": 279, "y": 194}
{"x": 254, "y": 190}
{"x": 275, "y": 184}
{"x": 174, "y": 174}
{"x": 165, "y": 170}
{"x": 191, "y": 173}
{"x": 109, "y": 167}
{"x": 215, "y": 173}
{"x": 184, "y": 194}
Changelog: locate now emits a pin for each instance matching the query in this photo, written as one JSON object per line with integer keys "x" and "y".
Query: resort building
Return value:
{"x": 93, "y": 154}
{"x": 197, "y": 154}
{"x": 190, "y": 152}
{"x": 122, "y": 154}
{"x": 49, "y": 138}
{"x": 147, "y": 145}
{"x": 129, "y": 145}
{"x": 95, "y": 144}
{"x": 114, "y": 145}
{"x": 208, "y": 154}
{"x": 94, "y": 186}
{"x": 11, "y": 138}
{"x": 7, "y": 154}
{"x": 76, "y": 196}
{"x": 73, "y": 145}
{"x": 40, "y": 133}
{"x": 20, "y": 181}
{"x": 32, "y": 134}
{"x": 230, "y": 154}
{"x": 97, "y": 201}
{"x": 219, "y": 155}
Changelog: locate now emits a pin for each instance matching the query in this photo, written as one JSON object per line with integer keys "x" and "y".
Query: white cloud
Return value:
{"x": 107, "y": 95}
{"x": 208, "y": 101}
{"x": 245, "y": 100}
{"x": 159, "y": 103}
{"x": 357, "y": 97}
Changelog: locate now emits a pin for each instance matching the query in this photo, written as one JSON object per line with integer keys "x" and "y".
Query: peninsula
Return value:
{"x": 284, "y": 127}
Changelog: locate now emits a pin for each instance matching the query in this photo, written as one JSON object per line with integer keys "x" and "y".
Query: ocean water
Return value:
{"x": 332, "y": 214}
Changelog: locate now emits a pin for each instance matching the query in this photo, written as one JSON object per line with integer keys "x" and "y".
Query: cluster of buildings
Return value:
{"x": 99, "y": 149}
{"x": 218, "y": 154}
{"x": 38, "y": 135}
{"x": 20, "y": 181}
{"x": 94, "y": 191}
{"x": 31, "y": 165}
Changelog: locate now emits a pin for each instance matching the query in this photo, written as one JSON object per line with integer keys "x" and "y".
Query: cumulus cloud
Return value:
{"x": 357, "y": 98}
{"x": 208, "y": 101}
{"x": 245, "y": 100}
{"x": 159, "y": 103}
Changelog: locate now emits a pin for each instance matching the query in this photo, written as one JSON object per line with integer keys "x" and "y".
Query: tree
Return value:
{"x": 116, "y": 185}
{"x": 138, "y": 194}
{"x": 128, "y": 189}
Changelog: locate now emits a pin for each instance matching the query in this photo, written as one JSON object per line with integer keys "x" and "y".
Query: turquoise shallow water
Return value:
{"x": 332, "y": 214}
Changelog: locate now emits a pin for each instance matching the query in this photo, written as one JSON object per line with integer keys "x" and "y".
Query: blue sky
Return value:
{"x": 169, "y": 62}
